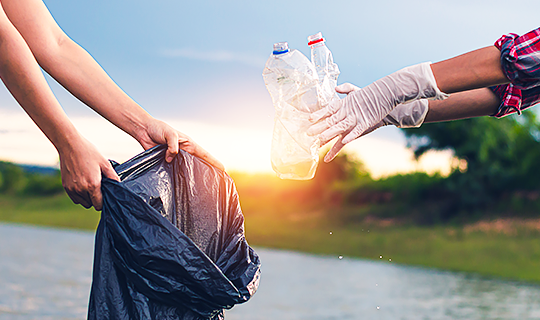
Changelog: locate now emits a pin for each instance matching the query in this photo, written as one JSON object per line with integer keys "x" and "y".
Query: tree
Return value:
{"x": 501, "y": 156}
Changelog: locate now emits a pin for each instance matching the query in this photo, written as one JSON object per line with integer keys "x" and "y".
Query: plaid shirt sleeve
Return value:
{"x": 520, "y": 61}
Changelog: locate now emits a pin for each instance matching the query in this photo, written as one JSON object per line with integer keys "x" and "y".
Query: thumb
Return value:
{"x": 172, "y": 143}
{"x": 108, "y": 171}
{"x": 346, "y": 88}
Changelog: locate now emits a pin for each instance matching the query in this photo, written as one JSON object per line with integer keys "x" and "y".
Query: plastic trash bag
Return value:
{"x": 170, "y": 243}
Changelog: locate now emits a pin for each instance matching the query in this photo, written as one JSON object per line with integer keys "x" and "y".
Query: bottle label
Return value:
{"x": 315, "y": 41}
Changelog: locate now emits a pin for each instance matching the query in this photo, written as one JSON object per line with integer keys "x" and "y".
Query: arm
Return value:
{"x": 462, "y": 105}
{"x": 366, "y": 108}
{"x": 80, "y": 74}
{"x": 81, "y": 164}
{"x": 476, "y": 69}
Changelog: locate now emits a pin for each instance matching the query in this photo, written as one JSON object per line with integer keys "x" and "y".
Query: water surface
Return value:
{"x": 46, "y": 274}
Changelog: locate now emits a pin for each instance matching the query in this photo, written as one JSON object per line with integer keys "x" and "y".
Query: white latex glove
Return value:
{"x": 406, "y": 115}
{"x": 362, "y": 109}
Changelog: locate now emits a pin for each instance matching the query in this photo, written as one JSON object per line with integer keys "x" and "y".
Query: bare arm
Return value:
{"x": 467, "y": 77}
{"x": 476, "y": 69}
{"x": 81, "y": 165}
{"x": 80, "y": 74}
{"x": 461, "y": 105}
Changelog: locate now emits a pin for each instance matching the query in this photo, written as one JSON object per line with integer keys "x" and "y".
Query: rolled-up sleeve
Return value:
{"x": 520, "y": 61}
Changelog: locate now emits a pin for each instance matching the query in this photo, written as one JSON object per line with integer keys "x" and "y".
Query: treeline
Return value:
{"x": 22, "y": 180}
{"x": 496, "y": 174}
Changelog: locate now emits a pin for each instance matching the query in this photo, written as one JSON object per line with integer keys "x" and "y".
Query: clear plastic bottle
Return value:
{"x": 292, "y": 81}
{"x": 327, "y": 70}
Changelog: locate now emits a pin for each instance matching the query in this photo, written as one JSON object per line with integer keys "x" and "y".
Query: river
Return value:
{"x": 45, "y": 273}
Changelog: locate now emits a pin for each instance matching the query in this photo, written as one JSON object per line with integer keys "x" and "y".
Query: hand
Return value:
{"x": 365, "y": 108}
{"x": 158, "y": 132}
{"x": 345, "y": 88}
{"x": 82, "y": 168}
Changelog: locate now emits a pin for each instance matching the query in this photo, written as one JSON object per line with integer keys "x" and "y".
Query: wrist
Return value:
{"x": 136, "y": 125}
{"x": 69, "y": 142}
{"x": 408, "y": 115}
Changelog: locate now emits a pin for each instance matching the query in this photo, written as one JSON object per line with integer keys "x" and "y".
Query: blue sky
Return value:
{"x": 201, "y": 61}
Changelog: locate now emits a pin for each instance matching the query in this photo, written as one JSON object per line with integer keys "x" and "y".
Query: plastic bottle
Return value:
{"x": 292, "y": 81}
{"x": 327, "y": 70}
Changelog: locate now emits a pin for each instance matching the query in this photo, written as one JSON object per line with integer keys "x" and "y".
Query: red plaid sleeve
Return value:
{"x": 520, "y": 61}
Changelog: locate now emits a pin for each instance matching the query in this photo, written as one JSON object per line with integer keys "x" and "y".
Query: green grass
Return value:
{"x": 288, "y": 226}
{"x": 489, "y": 254}
{"x": 55, "y": 211}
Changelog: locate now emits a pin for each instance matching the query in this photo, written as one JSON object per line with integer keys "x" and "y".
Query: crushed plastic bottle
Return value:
{"x": 292, "y": 81}
{"x": 327, "y": 70}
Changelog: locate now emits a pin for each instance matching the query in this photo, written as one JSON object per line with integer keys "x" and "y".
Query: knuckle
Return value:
{"x": 334, "y": 106}
{"x": 348, "y": 122}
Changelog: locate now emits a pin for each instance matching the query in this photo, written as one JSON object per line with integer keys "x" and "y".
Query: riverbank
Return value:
{"x": 502, "y": 248}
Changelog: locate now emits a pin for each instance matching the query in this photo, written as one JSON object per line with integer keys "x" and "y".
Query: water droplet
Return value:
{"x": 330, "y": 232}
{"x": 340, "y": 257}
{"x": 378, "y": 307}
{"x": 380, "y": 257}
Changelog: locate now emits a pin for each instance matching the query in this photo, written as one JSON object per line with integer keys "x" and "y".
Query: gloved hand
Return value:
{"x": 367, "y": 107}
{"x": 406, "y": 115}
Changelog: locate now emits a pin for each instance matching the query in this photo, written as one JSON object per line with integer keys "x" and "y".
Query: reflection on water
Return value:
{"x": 46, "y": 274}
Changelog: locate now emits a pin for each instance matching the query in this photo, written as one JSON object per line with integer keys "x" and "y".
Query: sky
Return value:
{"x": 197, "y": 65}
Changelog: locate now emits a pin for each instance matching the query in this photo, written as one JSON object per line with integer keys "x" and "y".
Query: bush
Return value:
{"x": 15, "y": 180}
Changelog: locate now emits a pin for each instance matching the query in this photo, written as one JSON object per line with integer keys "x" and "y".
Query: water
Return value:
{"x": 46, "y": 274}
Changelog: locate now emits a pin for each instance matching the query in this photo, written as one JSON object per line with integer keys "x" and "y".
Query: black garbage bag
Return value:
{"x": 170, "y": 243}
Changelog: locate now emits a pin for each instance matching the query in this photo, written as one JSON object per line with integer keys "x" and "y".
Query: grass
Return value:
{"x": 55, "y": 211}
{"x": 286, "y": 225}
{"x": 491, "y": 253}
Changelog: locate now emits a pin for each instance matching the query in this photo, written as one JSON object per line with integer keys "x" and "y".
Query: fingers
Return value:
{"x": 333, "y": 107}
{"x": 96, "y": 197}
{"x": 323, "y": 125}
{"x": 346, "y": 88}
{"x": 83, "y": 200}
{"x": 206, "y": 156}
{"x": 339, "y": 128}
{"x": 86, "y": 192}
{"x": 190, "y": 146}
{"x": 355, "y": 133}
{"x": 336, "y": 148}
{"x": 159, "y": 132}
{"x": 320, "y": 114}
{"x": 108, "y": 171}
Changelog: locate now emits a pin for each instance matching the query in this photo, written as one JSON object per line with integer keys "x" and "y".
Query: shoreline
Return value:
{"x": 506, "y": 249}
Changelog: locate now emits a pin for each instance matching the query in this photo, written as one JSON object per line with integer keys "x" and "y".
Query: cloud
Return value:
{"x": 214, "y": 56}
